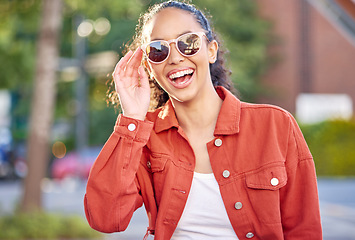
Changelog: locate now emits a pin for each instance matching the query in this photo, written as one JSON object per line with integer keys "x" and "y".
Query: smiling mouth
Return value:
{"x": 181, "y": 74}
{"x": 182, "y": 78}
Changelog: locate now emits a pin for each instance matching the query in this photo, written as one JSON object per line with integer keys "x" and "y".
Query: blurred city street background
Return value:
{"x": 337, "y": 201}
{"x": 58, "y": 107}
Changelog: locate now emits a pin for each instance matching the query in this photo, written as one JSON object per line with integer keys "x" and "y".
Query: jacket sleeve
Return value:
{"x": 299, "y": 198}
{"x": 113, "y": 192}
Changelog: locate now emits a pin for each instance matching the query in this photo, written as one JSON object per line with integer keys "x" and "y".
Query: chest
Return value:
{"x": 200, "y": 150}
{"x": 204, "y": 212}
{"x": 243, "y": 168}
{"x": 198, "y": 139}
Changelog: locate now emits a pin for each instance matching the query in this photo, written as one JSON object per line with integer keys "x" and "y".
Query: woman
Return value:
{"x": 205, "y": 165}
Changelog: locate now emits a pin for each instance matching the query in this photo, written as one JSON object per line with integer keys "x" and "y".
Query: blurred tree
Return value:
{"x": 18, "y": 31}
{"x": 18, "y": 35}
{"x": 122, "y": 16}
{"x": 246, "y": 36}
{"x": 43, "y": 103}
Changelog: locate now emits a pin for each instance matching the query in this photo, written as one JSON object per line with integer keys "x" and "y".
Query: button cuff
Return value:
{"x": 132, "y": 127}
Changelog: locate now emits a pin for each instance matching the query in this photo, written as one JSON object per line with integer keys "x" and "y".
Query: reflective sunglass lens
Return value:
{"x": 157, "y": 51}
{"x": 189, "y": 44}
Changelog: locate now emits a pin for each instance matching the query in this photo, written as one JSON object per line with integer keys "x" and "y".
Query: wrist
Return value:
{"x": 134, "y": 116}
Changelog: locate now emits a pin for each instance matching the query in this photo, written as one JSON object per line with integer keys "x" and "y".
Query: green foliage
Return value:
{"x": 246, "y": 36}
{"x": 45, "y": 226}
{"x": 18, "y": 30}
{"x": 332, "y": 144}
{"x": 121, "y": 14}
{"x": 115, "y": 9}
{"x": 102, "y": 118}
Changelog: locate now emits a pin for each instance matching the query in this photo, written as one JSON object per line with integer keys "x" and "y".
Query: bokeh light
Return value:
{"x": 85, "y": 28}
{"x": 102, "y": 26}
{"x": 59, "y": 149}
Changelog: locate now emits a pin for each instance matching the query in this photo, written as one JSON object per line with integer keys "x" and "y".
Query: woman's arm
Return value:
{"x": 113, "y": 192}
{"x": 299, "y": 198}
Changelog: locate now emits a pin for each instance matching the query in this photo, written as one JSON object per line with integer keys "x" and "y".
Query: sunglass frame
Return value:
{"x": 176, "y": 40}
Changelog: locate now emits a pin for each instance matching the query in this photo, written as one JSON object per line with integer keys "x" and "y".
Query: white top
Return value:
{"x": 204, "y": 216}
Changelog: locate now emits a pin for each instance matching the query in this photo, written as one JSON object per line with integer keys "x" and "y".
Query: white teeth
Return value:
{"x": 181, "y": 74}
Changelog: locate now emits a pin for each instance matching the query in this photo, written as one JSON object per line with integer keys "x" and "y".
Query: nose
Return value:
{"x": 175, "y": 56}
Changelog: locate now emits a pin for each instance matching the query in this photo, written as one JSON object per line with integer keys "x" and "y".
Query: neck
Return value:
{"x": 199, "y": 114}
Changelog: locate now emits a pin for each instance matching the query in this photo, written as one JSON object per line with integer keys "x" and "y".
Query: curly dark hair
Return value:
{"x": 220, "y": 75}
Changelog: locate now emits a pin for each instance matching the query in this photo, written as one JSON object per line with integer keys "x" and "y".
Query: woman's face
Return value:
{"x": 183, "y": 78}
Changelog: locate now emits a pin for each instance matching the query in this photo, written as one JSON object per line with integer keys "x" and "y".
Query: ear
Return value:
{"x": 212, "y": 51}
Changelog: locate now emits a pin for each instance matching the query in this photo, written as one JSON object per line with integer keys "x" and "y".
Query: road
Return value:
{"x": 337, "y": 201}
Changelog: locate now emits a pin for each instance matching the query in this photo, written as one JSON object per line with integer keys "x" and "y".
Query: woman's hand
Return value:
{"x": 132, "y": 85}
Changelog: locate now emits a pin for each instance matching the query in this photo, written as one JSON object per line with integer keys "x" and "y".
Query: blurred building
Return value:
{"x": 314, "y": 49}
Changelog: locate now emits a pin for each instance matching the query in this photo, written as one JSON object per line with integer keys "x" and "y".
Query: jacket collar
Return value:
{"x": 228, "y": 117}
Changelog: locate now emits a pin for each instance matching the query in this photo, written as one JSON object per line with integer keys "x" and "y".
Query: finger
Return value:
{"x": 133, "y": 63}
{"x": 119, "y": 68}
{"x": 144, "y": 82}
{"x": 122, "y": 63}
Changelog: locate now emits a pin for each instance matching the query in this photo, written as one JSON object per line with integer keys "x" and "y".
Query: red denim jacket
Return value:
{"x": 259, "y": 157}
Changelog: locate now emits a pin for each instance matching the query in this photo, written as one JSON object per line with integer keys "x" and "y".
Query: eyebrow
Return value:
{"x": 156, "y": 39}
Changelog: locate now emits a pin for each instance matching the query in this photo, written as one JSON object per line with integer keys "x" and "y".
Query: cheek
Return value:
{"x": 202, "y": 63}
{"x": 160, "y": 78}
{"x": 155, "y": 70}
{"x": 202, "y": 58}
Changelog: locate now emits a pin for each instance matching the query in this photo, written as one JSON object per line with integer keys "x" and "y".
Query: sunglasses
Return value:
{"x": 188, "y": 45}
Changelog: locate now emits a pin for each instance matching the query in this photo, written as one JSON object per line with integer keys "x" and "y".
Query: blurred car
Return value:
{"x": 75, "y": 164}
{"x": 5, "y": 152}
{"x": 20, "y": 163}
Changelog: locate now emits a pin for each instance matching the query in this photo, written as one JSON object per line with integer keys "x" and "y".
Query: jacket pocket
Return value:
{"x": 158, "y": 165}
{"x": 269, "y": 178}
{"x": 263, "y": 192}
{"x": 158, "y": 162}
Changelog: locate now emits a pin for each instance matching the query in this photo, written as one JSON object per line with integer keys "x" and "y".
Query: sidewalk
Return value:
{"x": 337, "y": 202}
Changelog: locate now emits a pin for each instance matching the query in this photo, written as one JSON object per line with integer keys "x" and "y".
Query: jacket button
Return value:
{"x": 274, "y": 182}
{"x": 238, "y": 205}
{"x": 218, "y": 142}
{"x": 249, "y": 235}
{"x": 226, "y": 174}
{"x": 131, "y": 127}
{"x": 149, "y": 165}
